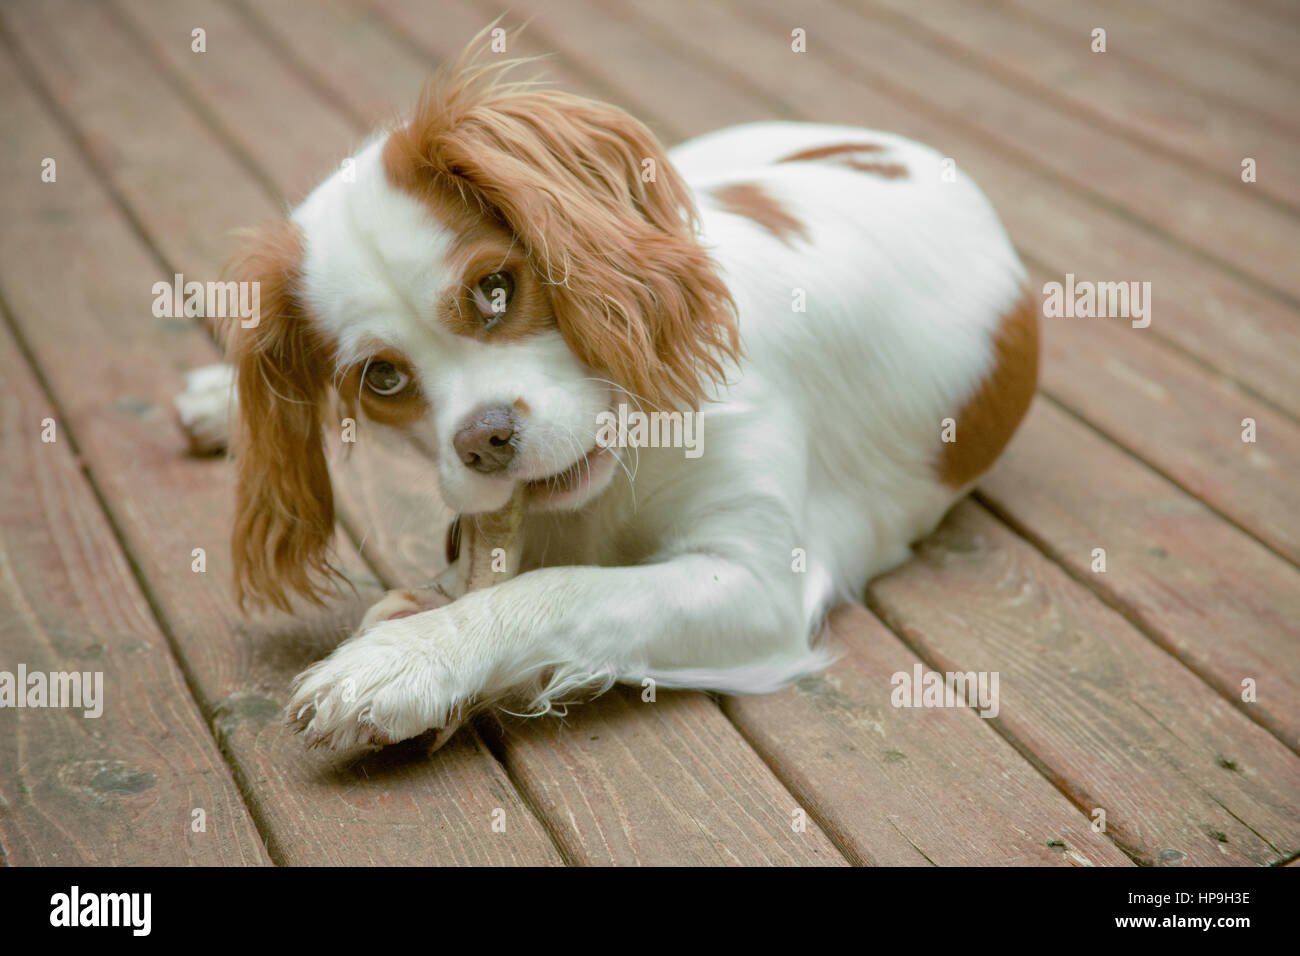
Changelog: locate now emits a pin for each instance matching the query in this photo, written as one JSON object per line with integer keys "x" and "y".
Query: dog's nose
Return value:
{"x": 483, "y": 441}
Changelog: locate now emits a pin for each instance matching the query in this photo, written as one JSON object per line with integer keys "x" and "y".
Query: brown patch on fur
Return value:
{"x": 843, "y": 154}
{"x": 839, "y": 149}
{"x": 991, "y": 415}
{"x": 632, "y": 291}
{"x": 284, "y": 507}
{"x": 887, "y": 170}
{"x": 521, "y": 406}
{"x": 749, "y": 200}
{"x": 405, "y": 408}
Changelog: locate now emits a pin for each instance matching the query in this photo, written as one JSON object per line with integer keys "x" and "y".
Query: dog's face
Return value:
{"x": 488, "y": 278}
{"x": 442, "y": 326}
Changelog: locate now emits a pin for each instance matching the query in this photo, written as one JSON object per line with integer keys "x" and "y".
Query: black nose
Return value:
{"x": 483, "y": 441}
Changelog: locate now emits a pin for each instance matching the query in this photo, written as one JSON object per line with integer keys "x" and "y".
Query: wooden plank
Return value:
{"x": 1269, "y": 41}
{"x": 120, "y": 788}
{"x": 387, "y": 497}
{"x": 1116, "y": 722}
{"x": 1148, "y": 40}
{"x": 78, "y": 283}
{"x": 1210, "y": 595}
{"x": 684, "y": 97}
{"x": 1105, "y": 91}
{"x": 907, "y": 786}
{"x": 662, "y": 783}
{"x": 1186, "y": 423}
{"x": 1162, "y": 407}
{"x": 286, "y": 156}
{"x": 357, "y": 76}
{"x": 1221, "y": 219}
{"x": 1225, "y": 324}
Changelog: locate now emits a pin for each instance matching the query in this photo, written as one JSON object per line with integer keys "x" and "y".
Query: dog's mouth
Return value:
{"x": 569, "y": 487}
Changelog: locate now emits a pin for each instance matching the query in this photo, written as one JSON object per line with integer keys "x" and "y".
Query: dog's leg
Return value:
{"x": 552, "y": 631}
{"x": 206, "y": 408}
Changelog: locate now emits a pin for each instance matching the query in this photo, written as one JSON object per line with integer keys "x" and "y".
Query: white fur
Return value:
{"x": 679, "y": 569}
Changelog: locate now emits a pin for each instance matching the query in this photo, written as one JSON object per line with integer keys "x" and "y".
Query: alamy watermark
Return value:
{"x": 633, "y": 428}
{"x": 1100, "y": 300}
{"x": 213, "y": 300}
{"x": 130, "y": 910}
{"x": 76, "y": 689}
{"x": 951, "y": 689}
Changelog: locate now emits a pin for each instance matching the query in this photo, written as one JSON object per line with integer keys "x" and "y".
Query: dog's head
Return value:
{"x": 489, "y": 277}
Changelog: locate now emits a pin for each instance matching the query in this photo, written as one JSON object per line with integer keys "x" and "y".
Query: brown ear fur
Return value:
{"x": 284, "y": 515}
{"x": 634, "y": 293}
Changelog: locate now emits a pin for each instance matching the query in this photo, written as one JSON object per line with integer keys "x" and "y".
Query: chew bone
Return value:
{"x": 490, "y": 547}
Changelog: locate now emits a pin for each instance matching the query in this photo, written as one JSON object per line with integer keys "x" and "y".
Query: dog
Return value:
{"x": 837, "y": 312}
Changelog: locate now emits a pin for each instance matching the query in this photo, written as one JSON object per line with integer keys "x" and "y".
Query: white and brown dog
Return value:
{"x": 514, "y": 262}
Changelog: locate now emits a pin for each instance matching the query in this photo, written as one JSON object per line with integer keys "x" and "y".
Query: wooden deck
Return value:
{"x": 1121, "y": 691}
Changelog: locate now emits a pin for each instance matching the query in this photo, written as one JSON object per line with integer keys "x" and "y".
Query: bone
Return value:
{"x": 477, "y": 538}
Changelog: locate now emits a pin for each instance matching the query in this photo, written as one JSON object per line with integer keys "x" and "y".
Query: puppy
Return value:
{"x": 833, "y": 316}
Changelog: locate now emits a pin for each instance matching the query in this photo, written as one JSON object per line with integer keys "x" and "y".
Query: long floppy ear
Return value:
{"x": 606, "y": 219}
{"x": 284, "y": 516}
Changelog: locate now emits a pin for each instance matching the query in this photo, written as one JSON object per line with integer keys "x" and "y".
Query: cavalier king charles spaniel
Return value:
{"x": 834, "y": 315}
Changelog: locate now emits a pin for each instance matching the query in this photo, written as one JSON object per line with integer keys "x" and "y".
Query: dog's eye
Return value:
{"x": 492, "y": 297}
{"x": 385, "y": 378}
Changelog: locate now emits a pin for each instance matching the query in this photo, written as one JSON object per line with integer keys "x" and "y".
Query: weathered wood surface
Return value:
{"x": 1121, "y": 690}
{"x": 910, "y": 786}
{"x": 1156, "y": 44}
{"x": 1119, "y": 95}
{"x": 1114, "y": 721}
{"x": 121, "y": 787}
{"x": 1269, "y": 40}
{"x": 1210, "y": 595}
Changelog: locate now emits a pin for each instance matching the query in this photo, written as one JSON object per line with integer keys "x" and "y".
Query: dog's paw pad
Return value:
{"x": 398, "y": 604}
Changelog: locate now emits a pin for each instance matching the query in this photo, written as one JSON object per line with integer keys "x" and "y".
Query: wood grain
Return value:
{"x": 1267, "y": 40}
{"x": 1209, "y": 594}
{"x": 1151, "y": 42}
{"x": 121, "y": 788}
{"x": 663, "y": 782}
{"x": 910, "y": 786}
{"x": 1104, "y": 92}
{"x": 1114, "y": 721}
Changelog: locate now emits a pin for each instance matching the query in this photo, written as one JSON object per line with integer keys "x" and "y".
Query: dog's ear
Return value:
{"x": 607, "y": 221}
{"x": 284, "y": 516}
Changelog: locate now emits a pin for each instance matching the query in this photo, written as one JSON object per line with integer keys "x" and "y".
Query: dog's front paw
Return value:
{"x": 398, "y": 679}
